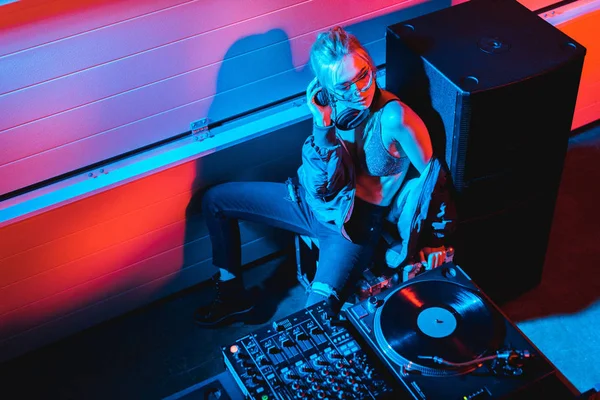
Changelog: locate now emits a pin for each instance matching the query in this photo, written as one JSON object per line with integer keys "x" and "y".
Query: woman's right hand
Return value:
{"x": 322, "y": 115}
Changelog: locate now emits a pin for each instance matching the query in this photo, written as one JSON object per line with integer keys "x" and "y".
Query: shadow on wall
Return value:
{"x": 257, "y": 159}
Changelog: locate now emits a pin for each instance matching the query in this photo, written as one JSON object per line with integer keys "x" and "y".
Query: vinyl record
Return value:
{"x": 437, "y": 319}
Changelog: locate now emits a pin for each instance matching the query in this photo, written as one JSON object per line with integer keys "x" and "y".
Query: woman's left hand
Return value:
{"x": 432, "y": 257}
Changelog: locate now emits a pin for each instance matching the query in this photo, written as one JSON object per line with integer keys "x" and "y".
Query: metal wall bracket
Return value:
{"x": 97, "y": 172}
{"x": 200, "y": 130}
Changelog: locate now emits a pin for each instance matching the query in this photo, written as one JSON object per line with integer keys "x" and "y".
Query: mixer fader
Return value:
{"x": 304, "y": 356}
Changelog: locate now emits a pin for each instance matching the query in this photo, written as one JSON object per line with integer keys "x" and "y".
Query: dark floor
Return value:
{"x": 156, "y": 351}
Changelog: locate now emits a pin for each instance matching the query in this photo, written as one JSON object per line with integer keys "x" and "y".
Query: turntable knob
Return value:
{"x": 372, "y": 303}
{"x": 449, "y": 272}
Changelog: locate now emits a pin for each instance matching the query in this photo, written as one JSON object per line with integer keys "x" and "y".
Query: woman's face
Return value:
{"x": 353, "y": 82}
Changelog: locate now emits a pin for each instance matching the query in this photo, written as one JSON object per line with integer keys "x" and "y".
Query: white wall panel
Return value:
{"x": 121, "y": 82}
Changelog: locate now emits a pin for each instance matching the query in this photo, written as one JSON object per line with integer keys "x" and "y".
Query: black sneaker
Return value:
{"x": 231, "y": 302}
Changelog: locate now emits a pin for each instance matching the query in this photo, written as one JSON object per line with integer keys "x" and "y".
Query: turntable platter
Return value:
{"x": 437, "y": 319}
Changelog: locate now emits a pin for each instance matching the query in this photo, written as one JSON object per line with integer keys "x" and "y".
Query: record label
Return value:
{"x": 436, "y": 322}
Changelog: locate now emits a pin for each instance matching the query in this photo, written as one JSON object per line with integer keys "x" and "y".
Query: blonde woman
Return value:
{"x": 354, "y": 163}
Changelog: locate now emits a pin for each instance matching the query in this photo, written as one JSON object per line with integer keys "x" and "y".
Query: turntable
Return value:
{"x": 440, "y": 337}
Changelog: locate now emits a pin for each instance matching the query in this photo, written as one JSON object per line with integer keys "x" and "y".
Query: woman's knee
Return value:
{"x": 213, "y": 197}
{"x": 209, "y": 200}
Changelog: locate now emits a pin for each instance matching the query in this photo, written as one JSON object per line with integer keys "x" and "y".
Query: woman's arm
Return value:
{"x": 403, "y": 126}
{"x": 324, "y": 171}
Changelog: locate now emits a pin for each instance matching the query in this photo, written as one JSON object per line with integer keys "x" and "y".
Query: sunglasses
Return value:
{"x": 361, "y": 84}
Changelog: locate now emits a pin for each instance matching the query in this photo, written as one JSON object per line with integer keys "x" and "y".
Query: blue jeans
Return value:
{"x": 340, "y": 261}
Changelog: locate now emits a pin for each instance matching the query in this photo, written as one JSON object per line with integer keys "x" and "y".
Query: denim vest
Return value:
{"x": 328, "y": 176}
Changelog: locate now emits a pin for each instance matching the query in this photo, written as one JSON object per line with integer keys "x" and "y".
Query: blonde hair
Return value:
{"x": 329, "y": 49}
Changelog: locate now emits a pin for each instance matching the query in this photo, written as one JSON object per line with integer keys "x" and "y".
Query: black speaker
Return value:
{"x": 496, "y": 86}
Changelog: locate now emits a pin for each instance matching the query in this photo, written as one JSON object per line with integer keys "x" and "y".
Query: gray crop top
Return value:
{"x": 377, "y": 161}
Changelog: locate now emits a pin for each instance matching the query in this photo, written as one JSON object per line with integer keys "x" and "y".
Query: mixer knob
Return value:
{"x": 325, "y": 371}
{"x": 343, "y": 395}
{"x": 317, "y": 331}
{"x": 296, "y": 386}
{"x": 310, "y": 378}
{"x": 262, "y": 360}
{"x": 350, "y": 380}
{"x": 356, "y": 387}
{"x": 359, "y": 358}
{"x": 278, "y": 327}
{"x": 321, "y": 361}
{"x": 330, "y": 379}
{"x": 336, "y": 388}
{"x": 291, "y": 376}
{"x": 315, "y": 386}
{"x": 306, "y": 368}
{"x": 321, "y": 394}
{"x": 301, "y": 393}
